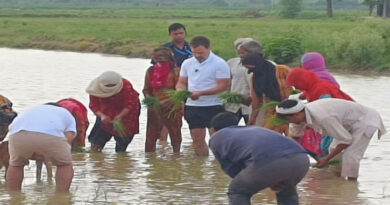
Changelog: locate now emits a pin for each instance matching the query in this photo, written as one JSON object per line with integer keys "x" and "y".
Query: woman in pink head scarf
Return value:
{"x": 315, "y": 62}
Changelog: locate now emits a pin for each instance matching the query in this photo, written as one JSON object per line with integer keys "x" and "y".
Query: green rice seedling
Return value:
{"x": 177, "y": 98}
{"x": 294, "y": 91}
{"x": 275, "y": 121}
{"x": 151, "y": 102}
{"x": 231, "y": 98}
{"x": 270, "y": 104}
{"x": 78, "y": 149}
{"x": 334, "y": 162}
{"x": 119, "y": 128}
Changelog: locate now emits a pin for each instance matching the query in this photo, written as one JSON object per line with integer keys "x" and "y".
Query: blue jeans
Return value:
{"x": 281, "y": 174}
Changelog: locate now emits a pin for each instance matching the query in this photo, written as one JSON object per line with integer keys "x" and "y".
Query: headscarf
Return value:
{"x": 315, "y": 62}
{"x": 79, "y": 112}
{"x": 159, "y": 75}
{"x": 291, "y": 110}
{"x": 264, "y": 79}
{"x": 313, "y": 86}
{"x": 75, "y": 107}
{"x": 98, "y": 87}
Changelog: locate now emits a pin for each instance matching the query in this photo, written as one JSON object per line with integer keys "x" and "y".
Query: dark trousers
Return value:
{"x": 282, "y": 175}
{"x": 98, "y": 139}
{"x": 240, "y": 115}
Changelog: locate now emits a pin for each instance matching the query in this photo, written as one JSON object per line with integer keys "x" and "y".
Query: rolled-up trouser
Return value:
{"x": 284, "y": 173}
{"x": 98, "y": 137}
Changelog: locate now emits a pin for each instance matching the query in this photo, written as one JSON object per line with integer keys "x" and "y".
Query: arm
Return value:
{"x": 222, "y": 85}
{"x": 256, "y": 104}
{"x": 177, "y": 74}
{"x": 69, "y": 136}
{"x": 147, "y": 91}
{"x": 182, "y": 83}
{"x": 324, "y": 161}
{"x": 229, "y": 167}
{"x": 94, "y": 105}
{"x": 131, "y": 107}
{"x": 123, "y": 113}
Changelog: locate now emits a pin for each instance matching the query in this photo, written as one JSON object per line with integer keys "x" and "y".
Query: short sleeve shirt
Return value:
{"x": 47, "y": 119}
{"x": 203, "y": 76}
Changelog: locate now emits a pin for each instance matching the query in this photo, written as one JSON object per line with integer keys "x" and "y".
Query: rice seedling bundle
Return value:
{"x": 151, "y": 102}
{"x": 119, "y": 128}
{"x": 231, "y": 98}
{"x": 177, "y": 97}
{"x": 294, "y": 91}
{"x": 273, "y": 120}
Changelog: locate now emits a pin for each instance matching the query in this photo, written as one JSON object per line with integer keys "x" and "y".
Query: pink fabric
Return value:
{"x": 160, "y": 72}
{"x": 311, "y": 141}
{"x": 315, "y": 62}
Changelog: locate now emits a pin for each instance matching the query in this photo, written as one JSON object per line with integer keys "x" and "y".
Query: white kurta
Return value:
{"x": 240, "y": 83}
{"x": 348, "y": 123}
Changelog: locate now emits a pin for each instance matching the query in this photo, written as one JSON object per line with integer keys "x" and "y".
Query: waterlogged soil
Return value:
{"x": 31, "y": 77}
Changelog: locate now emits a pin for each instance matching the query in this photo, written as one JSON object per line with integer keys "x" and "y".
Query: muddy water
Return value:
{"x": 31, "y": 77}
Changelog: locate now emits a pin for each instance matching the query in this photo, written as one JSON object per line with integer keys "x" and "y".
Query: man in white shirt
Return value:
{"x": 205, "y": 75}
{"x": 350, "y": 124}
{"x": 45, "y": 130}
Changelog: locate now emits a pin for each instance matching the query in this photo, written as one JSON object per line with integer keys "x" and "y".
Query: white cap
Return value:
{"x": 297, "y": 108}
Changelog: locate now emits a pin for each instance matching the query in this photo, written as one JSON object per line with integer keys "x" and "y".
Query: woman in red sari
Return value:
{"x": 160, "y": 77}
{"x": 113, "y": 99}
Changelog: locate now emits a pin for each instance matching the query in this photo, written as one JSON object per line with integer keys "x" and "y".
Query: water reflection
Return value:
{"x": 33, "y": 77}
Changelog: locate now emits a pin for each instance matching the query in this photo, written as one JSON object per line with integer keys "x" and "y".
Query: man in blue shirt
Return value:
{"x": 181, "y": 51}
{"x": 257, "y": 158}
{"x": 180, "y": 48}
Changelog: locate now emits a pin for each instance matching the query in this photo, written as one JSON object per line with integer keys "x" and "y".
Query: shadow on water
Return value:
{"x": 136, "y": 177}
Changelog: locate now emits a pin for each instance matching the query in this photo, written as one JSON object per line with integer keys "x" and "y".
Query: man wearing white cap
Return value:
{"x": 352, "y": 126}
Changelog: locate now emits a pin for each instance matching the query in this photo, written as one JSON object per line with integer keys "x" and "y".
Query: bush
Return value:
{"x": 290, "y": 8}
{"x": 360, "y": 47}
{"x": 284, "y": 49}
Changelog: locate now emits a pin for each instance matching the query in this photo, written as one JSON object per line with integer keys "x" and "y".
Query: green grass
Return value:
{"x": 135, "y": 32}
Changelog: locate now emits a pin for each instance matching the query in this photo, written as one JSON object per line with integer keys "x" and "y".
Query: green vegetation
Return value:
{"x": 177, "y": 97}
{"x": 284, "y": 49}
{"x": 349, "y": 40}
{"x": 231, "y": 98}
{"x": 119, "y": 128}
{"x": 151, "y": 102}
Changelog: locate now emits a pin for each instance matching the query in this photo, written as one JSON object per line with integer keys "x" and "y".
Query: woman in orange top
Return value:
{"x": 160, "y": 77}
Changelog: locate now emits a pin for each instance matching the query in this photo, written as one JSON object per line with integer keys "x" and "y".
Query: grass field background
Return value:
{"x": 350, "y": 40}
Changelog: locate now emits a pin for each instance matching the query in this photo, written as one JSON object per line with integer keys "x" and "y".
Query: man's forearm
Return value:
{"x": 339, "y": 148}
{"x": 215, "y": 90}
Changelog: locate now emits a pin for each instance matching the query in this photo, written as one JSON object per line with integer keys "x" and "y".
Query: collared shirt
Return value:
{"x": 203, "y": 76}
{"x": 340, "y": 119}
{"x": 180, "y": 54}
{"x": 240, "y": 83}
